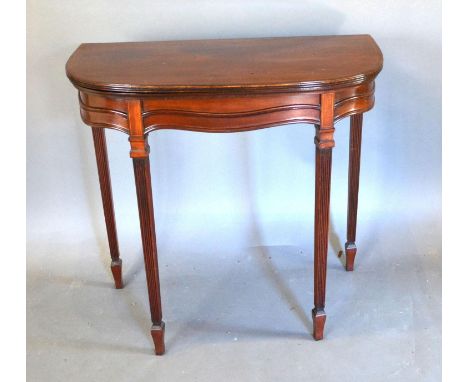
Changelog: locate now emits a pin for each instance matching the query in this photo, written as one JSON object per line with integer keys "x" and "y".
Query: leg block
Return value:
{"x": 157, "y": 332}
{"x": 351, "y": 250}
{"x": 318, "y": 317}
{"x": 116, "y": 269}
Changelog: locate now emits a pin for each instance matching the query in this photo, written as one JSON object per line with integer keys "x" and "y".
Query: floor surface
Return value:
{"x": 238, "y": 313}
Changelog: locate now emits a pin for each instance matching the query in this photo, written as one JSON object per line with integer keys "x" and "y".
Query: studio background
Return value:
{"x": 234, "y": 212}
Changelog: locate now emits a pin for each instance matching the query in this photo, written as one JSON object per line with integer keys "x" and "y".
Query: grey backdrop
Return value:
{"x": 218, "y": 197}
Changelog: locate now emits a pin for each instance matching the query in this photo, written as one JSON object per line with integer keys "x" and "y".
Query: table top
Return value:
{"x": 312, "y": 63}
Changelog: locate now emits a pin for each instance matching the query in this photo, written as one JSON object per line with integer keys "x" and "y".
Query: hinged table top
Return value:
{"x": 313, "y": 63}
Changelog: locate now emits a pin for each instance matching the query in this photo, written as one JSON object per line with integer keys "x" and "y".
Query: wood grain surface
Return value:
{"x": 255, "y": 64}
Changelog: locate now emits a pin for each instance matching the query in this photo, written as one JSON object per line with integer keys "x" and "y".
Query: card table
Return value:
{"x": 228, "y": 86}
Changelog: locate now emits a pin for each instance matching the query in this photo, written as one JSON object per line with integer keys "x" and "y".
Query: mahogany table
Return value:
{"x": 226, "y": 86}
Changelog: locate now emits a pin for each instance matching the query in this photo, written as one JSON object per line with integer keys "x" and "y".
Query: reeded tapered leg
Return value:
{"x": 141, "y": 166}
{"x": 323, "y": 159}
{"x": 100, "y": 148}
{"x": 353, "y": 188}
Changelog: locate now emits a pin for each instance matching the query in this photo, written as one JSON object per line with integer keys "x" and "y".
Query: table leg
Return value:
{"x": 100, "y": 149}
{"x": 141, "y": 165}
{"x": 323, "y": 159}
{"x": 353, "y": 188}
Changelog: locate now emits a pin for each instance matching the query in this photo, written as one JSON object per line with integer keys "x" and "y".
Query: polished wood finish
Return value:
{"x": 311, "y": 63}
{"x": 355, "y": 134}
{"x": 228, "y": 86}
{"x": 324, "y": 143}
{"x": 141, "y": 167}
{"x": 157, "y": 333}
{"x": 222, "y": 112}
{"x": 138, "y": 137}
{"x": 102, "y": 161}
